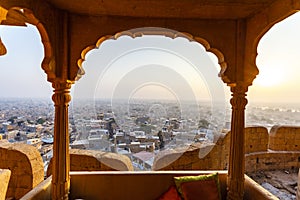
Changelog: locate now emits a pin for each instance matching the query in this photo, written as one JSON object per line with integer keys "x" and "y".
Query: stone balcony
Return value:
{"x": 278, "y": 149}
{"x": 135, "y": 185}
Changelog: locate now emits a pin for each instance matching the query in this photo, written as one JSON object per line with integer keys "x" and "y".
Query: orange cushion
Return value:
{"x": 170, "y": 194}
{"x": 203, "y": 189}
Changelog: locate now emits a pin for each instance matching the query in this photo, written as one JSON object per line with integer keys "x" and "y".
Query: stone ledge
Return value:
{"x": 4, "y": 180}
{"x": 24, "y": 161}
{"x": 91, "y": 160}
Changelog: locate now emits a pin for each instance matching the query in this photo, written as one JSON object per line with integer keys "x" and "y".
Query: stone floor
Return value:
{"x": 281, "y": 183}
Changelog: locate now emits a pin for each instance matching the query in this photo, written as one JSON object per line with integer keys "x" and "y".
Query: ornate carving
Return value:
{"x": 156, "y": 31}
{"x": 238, "y": 100}
{"x": 61, "y": 157}
{"x": 61, "y": 96}
{"x": 14, "y": 17}
{"x": 237, "y": 150}
{"x": 48, "y": 54}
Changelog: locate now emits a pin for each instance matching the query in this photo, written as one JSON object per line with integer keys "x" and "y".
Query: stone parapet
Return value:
{"x": 4, "y": 180}
{"x": 284, "y": 138}
{"x": 196, "y": 157}
{"x": 272, "y": 160}
{"x": 256, "y": 139}
{"x": 41, "y": 192}
{"x": 91, "y": 160}
{"x": 26, "y": 166}
{"x": 257, "y": 154}
{"x": 27, "y": 170}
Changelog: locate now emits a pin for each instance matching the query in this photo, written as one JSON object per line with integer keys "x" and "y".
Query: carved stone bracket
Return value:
{"x": 237, "y": 150}
{"x": 61, "y": 157}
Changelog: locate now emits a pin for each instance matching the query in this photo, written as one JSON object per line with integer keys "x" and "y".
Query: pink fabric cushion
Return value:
{"x": 170, "y": 194}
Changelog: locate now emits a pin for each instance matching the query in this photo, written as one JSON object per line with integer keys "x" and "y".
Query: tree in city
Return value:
{"x": 40, "y": 120}
{"x": 112, "y": 126}
{"x": 203, "y": 123}
{"x": 161, "y": 140}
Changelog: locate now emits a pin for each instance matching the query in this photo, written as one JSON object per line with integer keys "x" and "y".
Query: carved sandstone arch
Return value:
{"x": 157, "y": 31}
{"x": 56, "y": 67}
{"x": 259, "y": 25}
{"x": 17, "y": 16}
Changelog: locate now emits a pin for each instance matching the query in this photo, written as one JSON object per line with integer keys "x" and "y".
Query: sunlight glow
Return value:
{"x": 270, "y": 76}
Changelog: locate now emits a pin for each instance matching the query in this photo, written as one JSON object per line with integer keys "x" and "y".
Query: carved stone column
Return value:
{"x": 237, "y": 150}
{"x": 61, "y": 157}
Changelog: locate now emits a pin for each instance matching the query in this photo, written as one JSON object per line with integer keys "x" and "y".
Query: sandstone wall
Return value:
{"x": 256, "y": 139}
{"x": 271, "y": 161}
{"x": 284, "y": 138}
{"x": 90, "y": 160}
{"x": 26, "y": 166}
{"x": 4, "y": 180}
{"x": 197, "y": 157}
{"x": 283, "y": 155}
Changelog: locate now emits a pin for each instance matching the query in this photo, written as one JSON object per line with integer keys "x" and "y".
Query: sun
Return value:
{"x": 269, "y": 76}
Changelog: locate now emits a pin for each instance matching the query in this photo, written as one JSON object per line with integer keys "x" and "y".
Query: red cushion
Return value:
{"x": 202, "y": 189}
{"x": 170, "y": 194}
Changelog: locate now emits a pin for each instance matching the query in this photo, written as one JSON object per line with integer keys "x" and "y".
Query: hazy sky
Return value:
{"x": 278, "y": 62}
{"x": 154, "y": 67}
{"x": 151, "y": 67}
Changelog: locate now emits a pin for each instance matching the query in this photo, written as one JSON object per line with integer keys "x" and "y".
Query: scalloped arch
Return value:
{"x": 155, "y": 31}
{"x": 21, "y": 16}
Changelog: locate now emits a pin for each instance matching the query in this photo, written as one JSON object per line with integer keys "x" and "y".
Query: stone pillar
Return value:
{"x": 61, "y": 157}
{"x": 237, "y": 148}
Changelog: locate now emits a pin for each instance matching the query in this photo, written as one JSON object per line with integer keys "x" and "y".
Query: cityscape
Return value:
{"x": 138, "y": 128}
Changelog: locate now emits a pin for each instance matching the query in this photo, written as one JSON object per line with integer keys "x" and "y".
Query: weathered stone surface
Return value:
{"x": 256, "y": 139}
{"x": 4, "y": 180}
{"x": 26, "y": 166}
{"x": 284, "y": 138}
{"x": 257, "y": 157}
{"x": 197, "y": 156}
{"x": 90, "y": 160}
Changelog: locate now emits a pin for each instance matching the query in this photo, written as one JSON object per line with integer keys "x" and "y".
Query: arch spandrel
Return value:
{"x": 258, "y": 25}
{"x": 155, "y": 31}
{"x": 53, "y": 32}
{"x": 47, "y": 20}
{"x": 81, "y": 30}
{"x": 17, "y": 16}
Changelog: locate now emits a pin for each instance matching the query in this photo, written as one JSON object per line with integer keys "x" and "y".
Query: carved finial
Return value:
{"x": 3, "y": 50}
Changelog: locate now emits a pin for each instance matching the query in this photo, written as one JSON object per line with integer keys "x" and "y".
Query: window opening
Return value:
{"x": 146, "y": 95}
